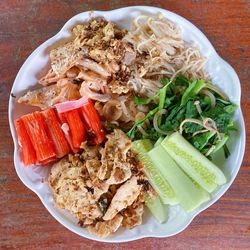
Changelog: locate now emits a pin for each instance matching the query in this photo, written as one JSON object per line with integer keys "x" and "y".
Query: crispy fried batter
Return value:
{"x": 132, "y": 216}
{"x": 64, "y": 57}
{"x": 46, "y": 97}
{"x": 123, "y": 198}
{"x": 105, "y": 228}
{"x": 114, "y": 155}
{"x": 94, "y": 197}
{"x": 68, "y": 179}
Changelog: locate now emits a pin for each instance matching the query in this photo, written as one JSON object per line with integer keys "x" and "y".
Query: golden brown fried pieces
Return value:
{"x": 103, "y": 186}
{"x": 47, "y": 96}
{"x": 68, "y": 180}
{"x": 64, "y": 57}
{"x": 123, "y": 198}
{"x": 105, "y": 228}
{"x": 114, "y": 155}
{"x": 132, "y": 217}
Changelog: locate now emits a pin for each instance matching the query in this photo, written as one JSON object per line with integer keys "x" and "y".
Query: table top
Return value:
{"x": 25, "y": 223}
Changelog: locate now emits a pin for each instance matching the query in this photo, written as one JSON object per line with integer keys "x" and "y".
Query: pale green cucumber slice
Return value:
{"x": 196, "y": 165}
{"x": 158, "y": 210}
{"x": 161, "y": 186}
{"x": 190, "y": 195}
{"x": 159, "y": 141}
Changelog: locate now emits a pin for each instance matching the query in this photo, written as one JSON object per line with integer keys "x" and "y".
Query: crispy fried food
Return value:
{"x": 102, "y": 186}
{"x": 132, "y": 216}
{"x": 64, "y": 57}
{"x": 47, "y": 96}
{"x": 68, "y": 180}
{"x": 123, "y": 198}
{"x": 114, "y": 155}
{"x": 105, "y": 228}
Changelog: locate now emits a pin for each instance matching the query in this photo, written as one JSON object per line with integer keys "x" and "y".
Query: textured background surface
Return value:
{"x": 24, "y": 222}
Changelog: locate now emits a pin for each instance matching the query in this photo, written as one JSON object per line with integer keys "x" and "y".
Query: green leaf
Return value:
{"x": 151, "y": 113}
{"x": 175, "y": 117}
{"x": 191, "y": 128}
{"x": 221, "y": 118}
{"x": 182, "y": 81}
{"x": 164, "y": 81}
{"x": 162, "y": 97}
{"x": 230, "y": 108}
{"x": 191, "y": 110}
{"x": 226, "y": 151}
{"x": 232, "y": 126}
{"x": 192, "y": 90}
{"x": 142, "y": 101}
{"x": 201, "y": 140}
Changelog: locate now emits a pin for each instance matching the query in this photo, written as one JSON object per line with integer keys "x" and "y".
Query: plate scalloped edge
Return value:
{"x": 137, "y": 233}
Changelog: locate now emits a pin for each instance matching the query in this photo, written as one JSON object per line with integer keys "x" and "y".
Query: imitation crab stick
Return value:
{"x": 76, "y": 128}
{"x": 37, "y": 130}
{"x": 55, "y": 133}
{"x": 92, "y": 122}
{"x": 51, "y": 134}
{"x": 27, "y": 152}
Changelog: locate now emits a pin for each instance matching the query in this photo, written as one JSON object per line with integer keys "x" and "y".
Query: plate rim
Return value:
{"x": 215, "y": 53}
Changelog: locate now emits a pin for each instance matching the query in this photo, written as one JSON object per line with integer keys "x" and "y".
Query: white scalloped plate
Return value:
{"x": 222, "y": 75}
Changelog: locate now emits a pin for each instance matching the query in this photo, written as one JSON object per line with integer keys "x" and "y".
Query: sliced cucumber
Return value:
{"x": 158, "y": 210}
{"x": 161, "y": 186}
{"x": 142, "y": 146}
{"x": 196, "y": 165}
{"x": 189, "y": 194}
{"x": 159, "y": 141}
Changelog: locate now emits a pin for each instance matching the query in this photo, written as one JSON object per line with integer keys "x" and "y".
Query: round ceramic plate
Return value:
{"x": 222, "y": 74}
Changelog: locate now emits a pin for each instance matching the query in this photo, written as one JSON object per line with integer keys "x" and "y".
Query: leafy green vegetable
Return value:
{"x": 193, "y": 89}
{"x": 150, "y": 114}
{"x": 201, "y": 140}
{"x": 230, "y": 108}
{"x": 221, "y": 118}
{"x": 226, "y": 151}
{"x": 191, "y": 110}
{"x": 181, "y": 80}
{"x": 178, "y": 98}
{"x": 164, "y": 81}
{"x": 191, "y": 128}
{"x": 142, "y": 101}
{"x": 162, "y": 97}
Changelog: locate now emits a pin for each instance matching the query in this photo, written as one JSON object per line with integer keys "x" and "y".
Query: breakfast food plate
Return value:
{"x": 220, "y": 73}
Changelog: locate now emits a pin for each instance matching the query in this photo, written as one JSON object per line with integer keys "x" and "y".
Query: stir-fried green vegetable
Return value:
{"x": 200, "y": 111}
